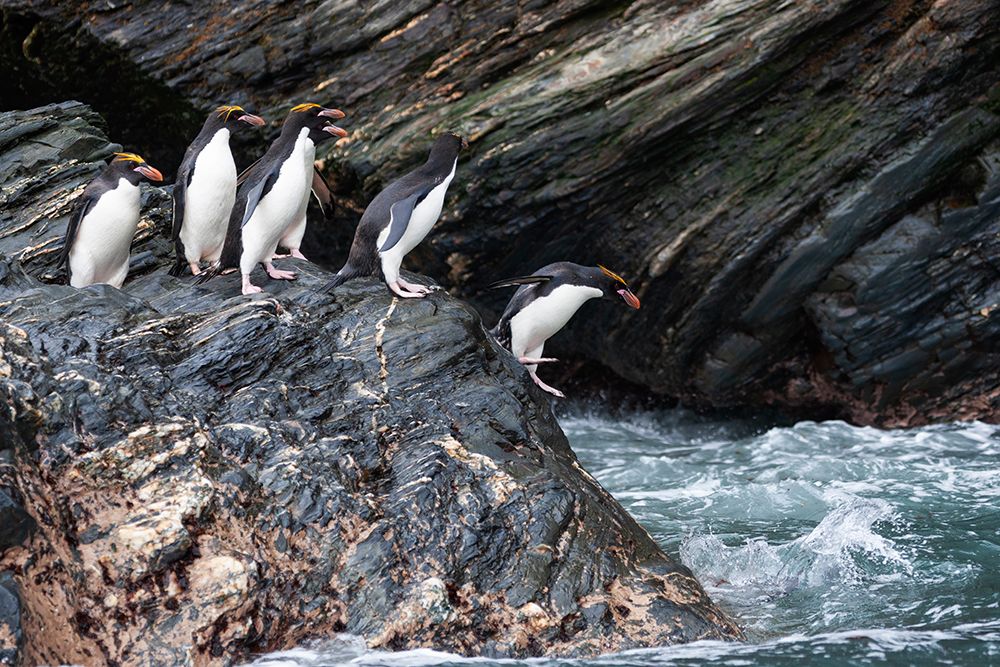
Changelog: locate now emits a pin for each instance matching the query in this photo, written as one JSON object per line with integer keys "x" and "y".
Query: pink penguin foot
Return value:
{"x": 248, "y": 287}
{"x": 545, "y": 387}
{"x": 398, "y": 289}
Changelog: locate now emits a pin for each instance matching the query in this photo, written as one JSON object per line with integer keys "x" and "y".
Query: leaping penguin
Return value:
{"x": 544, "y": 304}
{"x": 99, "y": 235}
{"x": 399, "y": 218}
{"x": 274, "y": 195}
{"x": 206, "y": 189}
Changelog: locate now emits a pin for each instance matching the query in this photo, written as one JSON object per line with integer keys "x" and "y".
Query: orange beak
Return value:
{"x": 629, "y": 298}
{"x": 151, "y": 173}
{"x": 335, "y": 131}
{"x": 251, "y": 119}
{"x": 332, "y": 113}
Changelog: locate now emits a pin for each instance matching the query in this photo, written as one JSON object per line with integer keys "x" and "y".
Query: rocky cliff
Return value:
{"x": 190, "y": 476}
{"x": 804, "y": 192}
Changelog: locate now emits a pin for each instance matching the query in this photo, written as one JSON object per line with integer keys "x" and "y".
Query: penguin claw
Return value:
{"x": 297, "y": 254}
{"x": 398, "y": 290}
{"x": 543, "y": 360}
{"x": 547, "y": 388}
{"x": 416, "y": 288}
{"x": 278, "y": 274}
{"x": 279, "y": 256}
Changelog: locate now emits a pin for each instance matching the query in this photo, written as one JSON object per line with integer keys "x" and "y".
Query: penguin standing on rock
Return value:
{"x": 293, "y": 235}
{"x": 99, "y": 236}
{"x": 206, "y": 189}
{"x": 399, "y": 218}
{"x": 274, "y": 195}
{"x": 544, "y": 304}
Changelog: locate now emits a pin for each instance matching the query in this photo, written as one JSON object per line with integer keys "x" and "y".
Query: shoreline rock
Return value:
{"x": 213, "y": 476}
{"x": 713, "y": 153}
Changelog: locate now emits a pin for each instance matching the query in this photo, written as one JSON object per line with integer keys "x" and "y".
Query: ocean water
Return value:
{"x": 831, "y": 544}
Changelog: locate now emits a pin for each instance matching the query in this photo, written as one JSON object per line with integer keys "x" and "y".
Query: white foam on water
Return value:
{"x": 831, "y": 544}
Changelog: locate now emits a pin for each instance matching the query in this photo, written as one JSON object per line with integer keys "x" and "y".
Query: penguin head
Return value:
{"x": 449, "y": 144}
{"x": 133, "y": 168}
{"x": 615, "y": 287}
{"x": 234, "y": 117}
{"x": 317, "y": 119}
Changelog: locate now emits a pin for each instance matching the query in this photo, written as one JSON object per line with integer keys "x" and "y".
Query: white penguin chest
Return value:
{"x": 422, "y": 219}
{"x": 104, "y": 236}
{"x": 284, "y": 203}
{"x": 213, "y": 184}
{"x": 546, "y": 315}
{"x": 210, "y": 195}
{"x": 291, "y": 189}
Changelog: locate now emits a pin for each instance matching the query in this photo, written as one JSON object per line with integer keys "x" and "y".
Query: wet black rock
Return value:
{"x": 10, "y": 620}
{"x": 748, "y": 165}
{"x": 15, "y": 523}
{"x": 214, "y": 475}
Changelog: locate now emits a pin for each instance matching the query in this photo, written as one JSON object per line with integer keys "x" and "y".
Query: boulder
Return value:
{"x": 213, "y": 476}
{"x": 803, "y": 193}
{"x": 10, "y": 620}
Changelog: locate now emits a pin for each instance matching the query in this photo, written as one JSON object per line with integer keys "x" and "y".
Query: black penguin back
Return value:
{"x": 363, "y": 258}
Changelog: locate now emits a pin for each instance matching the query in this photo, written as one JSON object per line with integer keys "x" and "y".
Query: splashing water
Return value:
{"x": 829, "y": 543}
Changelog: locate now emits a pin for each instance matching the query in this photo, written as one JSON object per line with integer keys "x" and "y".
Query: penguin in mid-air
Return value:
{"x": 399, "y": 218}
{"x": 99, "y": 235}
{"x": 274, "y": 194}
{"x": 206, "y": 189}
{"x": 544, "y": 304}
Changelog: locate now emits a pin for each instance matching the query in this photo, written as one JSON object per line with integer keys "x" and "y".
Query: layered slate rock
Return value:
{"x": 47, "y": 157}
{"x": 738, "y": 160}
{"x": 211, "y": 476}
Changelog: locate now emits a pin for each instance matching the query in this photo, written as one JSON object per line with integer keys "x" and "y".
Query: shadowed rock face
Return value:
{"x": 802, "y": 192}
{"x": 211, "y": 475}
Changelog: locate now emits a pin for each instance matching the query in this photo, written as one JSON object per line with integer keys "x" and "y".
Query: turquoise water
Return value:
{"x": 831, "y": 544}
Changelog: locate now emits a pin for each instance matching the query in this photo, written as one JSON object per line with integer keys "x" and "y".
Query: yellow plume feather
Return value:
{"x": 228, "y": 109}
{"x": 611, "y": 274}
{"x": 305, "y": 107}
{"x": 128, "y": 157}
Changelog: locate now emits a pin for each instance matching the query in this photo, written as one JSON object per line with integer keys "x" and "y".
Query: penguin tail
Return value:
{"x": 178, "y": 268}
{"x": 345, "y": 274}
{"x": 209, "y": 273}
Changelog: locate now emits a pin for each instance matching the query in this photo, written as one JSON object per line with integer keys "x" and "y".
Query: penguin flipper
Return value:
{"x": 399, "y": 218}
{"x": 74, "y": 226}
{"x": 321, "y": 191}
{"x": 232, "y": 247}
{"x": 514, "y": 282}
{"x": 256, "y": 193}
{"x": 178, "y": 197}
